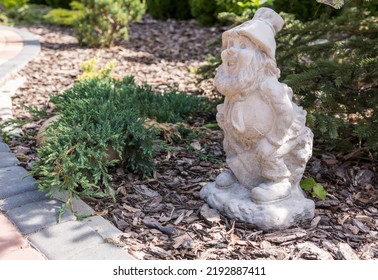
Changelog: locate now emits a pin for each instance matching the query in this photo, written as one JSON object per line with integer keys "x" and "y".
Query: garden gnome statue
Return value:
{"x": 266, "y": 141}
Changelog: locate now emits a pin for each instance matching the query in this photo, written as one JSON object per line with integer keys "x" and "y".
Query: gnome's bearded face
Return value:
{"x": 236, "y": 72}
{"x": 238, "y": 55}
{"x": 246, "y": 50}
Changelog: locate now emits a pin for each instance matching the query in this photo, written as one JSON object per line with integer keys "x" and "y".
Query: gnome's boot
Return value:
{"x": 271, "y": 191}
{"x": 226, "y": 179}
{"x": 277, "y": 185}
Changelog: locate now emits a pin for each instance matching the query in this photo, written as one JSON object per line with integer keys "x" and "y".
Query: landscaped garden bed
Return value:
{"x": 162, "y": 215}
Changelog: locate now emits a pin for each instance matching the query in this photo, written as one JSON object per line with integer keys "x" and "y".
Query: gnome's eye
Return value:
{"x": 243, "y": 42}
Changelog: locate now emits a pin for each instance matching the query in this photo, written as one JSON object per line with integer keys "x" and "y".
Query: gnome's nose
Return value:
{"x": 230, "y": 50}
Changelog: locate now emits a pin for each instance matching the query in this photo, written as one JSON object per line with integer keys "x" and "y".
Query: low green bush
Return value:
{"x": 164, "y": 9}
{"x": 106, "y": 21}
{"x": 225, "y": 11}
{"x": 99, "y": 117}
{"x": 64, "y": 4}
{"x": 331, "y": 64}
{"x": 304, "y": 10}
{"x": 92, "y": 70}
{"x": 62, "y": 17}
{"x": 13, "y": 3}
{"x": 238, "y": 11}
{"x": 204, "y": 11}
{"x": 27, "y": 14}
{"x": 65, "y": 17}
{"x": 30, "y": 13}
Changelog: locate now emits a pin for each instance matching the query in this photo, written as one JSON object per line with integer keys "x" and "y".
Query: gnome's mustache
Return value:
{"x": 238, "y": 83}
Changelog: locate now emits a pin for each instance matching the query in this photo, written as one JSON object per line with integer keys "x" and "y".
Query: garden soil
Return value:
{"x": 163, "y": 217}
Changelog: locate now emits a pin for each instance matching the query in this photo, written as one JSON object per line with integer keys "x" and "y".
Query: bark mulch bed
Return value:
{"x": 163, "y": 217}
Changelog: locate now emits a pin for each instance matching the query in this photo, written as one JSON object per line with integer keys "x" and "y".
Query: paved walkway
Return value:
{"x": 28, "y": 219}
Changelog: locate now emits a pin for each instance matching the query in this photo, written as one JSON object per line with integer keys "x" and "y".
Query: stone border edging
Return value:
{"x": 31, "y": 48}
{"x": 35, "y": 215}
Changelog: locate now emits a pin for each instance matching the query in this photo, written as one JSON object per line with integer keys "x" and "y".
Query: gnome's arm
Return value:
{"x": 280, "y": 101}
{"x": 220, "y": 115}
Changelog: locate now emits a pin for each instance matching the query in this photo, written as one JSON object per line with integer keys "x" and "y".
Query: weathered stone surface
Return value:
{"x": 235, "y": 203}
{"x": 15, "y": 180}
{"x": 74, "y": 240}
{"x": 35, "y": 216}
{"x": 266, "y": 141}
{"x": 103, "y": 252}
{"x": 18, "y": 200}
{"x": 8, "y": 159}
{"x": 64, "y": 240}
{"x": 3, "y": 147}
{"x": 210, "y": 215}
{"x": 103, "y": 227}
{"x": 78, "y": 205}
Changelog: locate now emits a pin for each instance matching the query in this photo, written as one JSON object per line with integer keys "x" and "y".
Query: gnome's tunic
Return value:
{"x": 267, "y": 113}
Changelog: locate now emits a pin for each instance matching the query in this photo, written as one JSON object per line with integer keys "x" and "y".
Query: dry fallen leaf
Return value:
{"x": 179, "y": 240}
{"x": 235, "y": 240}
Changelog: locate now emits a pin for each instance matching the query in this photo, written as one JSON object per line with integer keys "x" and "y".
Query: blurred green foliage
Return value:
{"x": 13, "y": 3}
{"x": 65, "y": 17}
{"x": 165, "y": 9}
{"x": 304, "y": 10}
{"x": 332, "y": 66}
{"x": 65, "y": 4}
{"x": 204, "y": 11}
{"x": 105, "y": 22}
{"x": 27, "y": 14}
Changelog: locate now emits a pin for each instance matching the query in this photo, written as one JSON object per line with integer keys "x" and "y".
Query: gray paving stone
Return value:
{"x": 14, "y": 180}
{"x": 3, "y": 147}
{"x": 103, "y": 227}
{"x": 18, "y": 200}
{"x": 38, "y": 215}
{"x": 8, "y": 159}
{"x": 65, "y": 240}
{"x": 31, "y": 49}
{"x": 79, "y": 206}
{"x": 103, "y": 252}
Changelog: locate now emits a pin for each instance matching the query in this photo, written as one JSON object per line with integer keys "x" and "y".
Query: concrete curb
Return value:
{"x": 31, "y": 48}
{"x": 35, "y": 215}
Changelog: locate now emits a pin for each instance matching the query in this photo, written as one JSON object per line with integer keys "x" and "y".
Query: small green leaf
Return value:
{"x": 307, "y": 184}
{"x": 62, "y": 210}
{"x": 211, "y": 126}
{"x": 320, "y": 191}
{"x": 338, "y": 81}
{"x": 83, "y": 216}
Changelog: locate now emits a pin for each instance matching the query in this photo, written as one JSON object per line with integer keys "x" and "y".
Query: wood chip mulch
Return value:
{"x": 164, "y": 217}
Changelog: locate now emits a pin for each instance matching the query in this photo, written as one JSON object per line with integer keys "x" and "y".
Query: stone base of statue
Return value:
{"x": 235, "y": 202}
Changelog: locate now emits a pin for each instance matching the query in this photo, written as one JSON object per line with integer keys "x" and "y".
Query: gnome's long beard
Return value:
{"x": 238, "y": 85}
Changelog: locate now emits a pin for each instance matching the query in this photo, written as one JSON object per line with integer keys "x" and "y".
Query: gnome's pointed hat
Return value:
{"x": 261, "y": 30}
